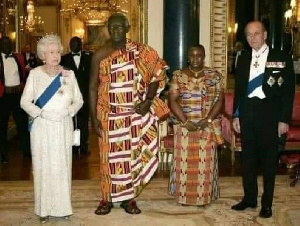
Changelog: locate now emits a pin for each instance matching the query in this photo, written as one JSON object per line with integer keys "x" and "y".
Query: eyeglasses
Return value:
{"x": 253, "y": 35}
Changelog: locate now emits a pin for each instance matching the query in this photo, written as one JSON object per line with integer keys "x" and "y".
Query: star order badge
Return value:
{"x": 271, "y": 81}
{"x": 280, "y": 81}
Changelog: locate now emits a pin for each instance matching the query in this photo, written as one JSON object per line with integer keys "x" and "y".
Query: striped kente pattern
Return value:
{"x": 194, "y": 175}
{"x": 128, "y": 149}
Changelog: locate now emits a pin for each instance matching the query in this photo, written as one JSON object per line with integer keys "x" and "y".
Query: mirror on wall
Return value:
{"x": 232, "y": 27}
{"x": 282, "y": 22}
{"x": 26, "y": 21}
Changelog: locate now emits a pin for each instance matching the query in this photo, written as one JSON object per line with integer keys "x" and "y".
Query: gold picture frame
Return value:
{"x": 138, "y": 19}
{"x": 218, "y": 37}
{"x": 143, "y": 21}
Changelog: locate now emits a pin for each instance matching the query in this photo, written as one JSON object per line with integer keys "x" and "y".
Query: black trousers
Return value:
{"x": 10, "y": 103}
{"x": 259, "y": 137}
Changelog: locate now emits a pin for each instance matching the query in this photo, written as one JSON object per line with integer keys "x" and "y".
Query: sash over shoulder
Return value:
{"x": 46, "y": 96}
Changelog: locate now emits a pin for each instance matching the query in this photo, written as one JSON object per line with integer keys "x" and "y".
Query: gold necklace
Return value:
{"x": 196, "y": 73}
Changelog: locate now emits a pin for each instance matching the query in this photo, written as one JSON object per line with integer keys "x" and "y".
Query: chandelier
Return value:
{"x": 38, "y": 26}
{"x": 92, "y": 11}
{"x": 11, "y": 7}
{"x": 292, "y": 16}
{"x": 30, "y": 22}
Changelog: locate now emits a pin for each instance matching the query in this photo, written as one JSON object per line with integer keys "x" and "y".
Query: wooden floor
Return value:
{"x": 87, "y": 167}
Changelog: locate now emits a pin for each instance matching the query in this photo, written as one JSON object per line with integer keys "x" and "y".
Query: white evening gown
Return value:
{"x": 51, "y": 142}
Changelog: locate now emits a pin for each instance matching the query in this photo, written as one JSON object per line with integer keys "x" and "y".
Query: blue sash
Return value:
{"x": 46, "y": 96}
{"x": 252, "y": 85}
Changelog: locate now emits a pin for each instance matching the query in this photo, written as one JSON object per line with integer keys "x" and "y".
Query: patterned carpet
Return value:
{"x": 158, "y": 208}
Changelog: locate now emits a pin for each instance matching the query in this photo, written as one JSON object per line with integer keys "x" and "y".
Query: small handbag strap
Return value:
{"x": 75, "y": 122}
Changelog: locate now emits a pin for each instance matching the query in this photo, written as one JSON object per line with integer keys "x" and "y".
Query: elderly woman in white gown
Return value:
{"x": 51, "y": 98}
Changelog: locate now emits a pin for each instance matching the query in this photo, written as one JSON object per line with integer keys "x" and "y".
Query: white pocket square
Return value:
{"x": 274, "y": 72}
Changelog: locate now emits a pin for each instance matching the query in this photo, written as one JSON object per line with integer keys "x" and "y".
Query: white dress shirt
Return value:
{"x": 258, "y": 63}
{"x": 11, "y": 71}
{"x": 77, "y": 59}
{"x": 27, "y": 56}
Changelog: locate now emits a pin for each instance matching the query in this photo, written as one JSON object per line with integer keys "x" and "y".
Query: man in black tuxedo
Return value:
{"x": 30, "y": 58}
{"x": 78, "y": 61}
{"x": 238, "y": 49}
{"x": 12, "y": 81}
{"x": 263, "y": 102}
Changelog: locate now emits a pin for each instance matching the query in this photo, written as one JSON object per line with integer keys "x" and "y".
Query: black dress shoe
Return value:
{"x": 265, "y": 212}
{"x": 242, "y": 206}
{"x": 4, "y": 158}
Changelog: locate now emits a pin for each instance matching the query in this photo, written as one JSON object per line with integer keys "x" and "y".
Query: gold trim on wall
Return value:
{"x": 144, "y": 21}
{"x": 218, "y": 37}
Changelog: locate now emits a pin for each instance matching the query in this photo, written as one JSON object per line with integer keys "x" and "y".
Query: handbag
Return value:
{"x": 76, "y": 133}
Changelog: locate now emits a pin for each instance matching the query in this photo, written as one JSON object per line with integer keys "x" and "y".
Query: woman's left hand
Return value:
{"x": 202, "y": 124}
{"x": 143, "y": 107}
{"x": 191, "y": 126}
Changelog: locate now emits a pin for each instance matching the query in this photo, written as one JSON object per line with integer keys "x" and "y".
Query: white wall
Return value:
{"x": 155, "y": 25}
{"x": 205, "y": 10}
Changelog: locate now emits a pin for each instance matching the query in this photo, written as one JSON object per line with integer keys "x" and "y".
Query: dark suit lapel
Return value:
{"x": 268, "y": 70}
{"x": 81, "y": 65}
{"x": 72, "y": 61}
{"x": 270, "y": 58}
{"x": 2, "y": 79}
{"x": 25, "y": 60}
{"x": 246, "y": 75}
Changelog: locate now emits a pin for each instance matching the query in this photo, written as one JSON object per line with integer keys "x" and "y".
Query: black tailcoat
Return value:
{"x": 259, "y": 119}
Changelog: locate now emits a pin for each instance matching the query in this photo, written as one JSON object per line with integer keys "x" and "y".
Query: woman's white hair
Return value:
{"x": 44, "y": 42}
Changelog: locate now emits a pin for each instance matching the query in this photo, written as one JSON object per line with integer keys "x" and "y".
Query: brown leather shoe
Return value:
{"x": 130, "y": 207}
{"x": 104, "y": 208}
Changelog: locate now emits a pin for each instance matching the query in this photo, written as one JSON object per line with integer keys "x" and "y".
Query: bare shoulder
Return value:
{"x": 103, "y": 52}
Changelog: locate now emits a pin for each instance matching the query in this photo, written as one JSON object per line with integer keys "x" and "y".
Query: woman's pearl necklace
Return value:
{"x": 52, "y": 72}
{"x": 196, "y": 73}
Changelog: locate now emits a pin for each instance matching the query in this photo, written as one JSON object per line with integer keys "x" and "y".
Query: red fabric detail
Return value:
{"x": 168, "y": 141}
{"x": 293, "y": 136}
{"x": 290, "y": 158}
{"x": 1, "y": 89}
{"x": 293, "y": 133}
{"x": 22, "y": 64}
{"x": 228, "y": 103}
{"x": 296, "y": 107}
{"x": 227, "y": 131}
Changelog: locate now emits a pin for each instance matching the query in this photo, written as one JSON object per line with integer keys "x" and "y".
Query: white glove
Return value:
{"x": 54, "y": 115}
